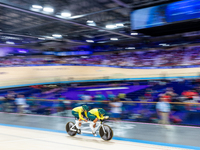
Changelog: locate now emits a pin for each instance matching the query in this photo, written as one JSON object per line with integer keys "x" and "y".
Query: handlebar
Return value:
{"x": 101, "y": 120}
{"x": 105, "y": 118}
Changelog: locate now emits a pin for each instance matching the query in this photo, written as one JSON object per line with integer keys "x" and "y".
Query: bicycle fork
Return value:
{"x": 99, "y": 126}
{"x": 103, "y": 129}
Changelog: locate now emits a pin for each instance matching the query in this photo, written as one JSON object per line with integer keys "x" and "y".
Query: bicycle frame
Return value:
{"x": 100, "y": 123}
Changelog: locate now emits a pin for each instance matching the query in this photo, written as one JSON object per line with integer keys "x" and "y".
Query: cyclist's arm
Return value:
{"x": 86, "y": 114}
{"x": 80, "y": 115}
{"x": 100, "y": 117}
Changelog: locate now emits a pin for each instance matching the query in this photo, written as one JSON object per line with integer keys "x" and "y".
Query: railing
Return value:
{"x": 181, "y": 112}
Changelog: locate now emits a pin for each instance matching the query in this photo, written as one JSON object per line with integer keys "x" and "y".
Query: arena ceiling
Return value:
{"x": 23, "y": 24}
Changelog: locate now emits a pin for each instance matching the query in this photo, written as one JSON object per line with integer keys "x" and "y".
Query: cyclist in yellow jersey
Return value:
{"x": 95, "y": 115}
{"x": 77, "y": 112}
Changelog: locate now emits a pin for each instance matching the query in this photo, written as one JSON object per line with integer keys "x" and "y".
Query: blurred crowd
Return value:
{"x": 151, "y": 58}
{"x": 141, "y": 106}
{"x": 13, "y": 102}
{"x": 101, "y": 97}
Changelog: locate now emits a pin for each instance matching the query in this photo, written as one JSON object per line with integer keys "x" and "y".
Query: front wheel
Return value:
{"x": 108, "y": 134}
{"x": 68, "y": 127}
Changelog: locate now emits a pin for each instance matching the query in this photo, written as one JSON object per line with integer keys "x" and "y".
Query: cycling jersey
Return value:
{"x": 79, "y": 110}
{"x": 95, "y": 112}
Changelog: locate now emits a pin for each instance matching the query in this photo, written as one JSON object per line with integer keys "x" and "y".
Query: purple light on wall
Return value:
{"x": 22, "y": 50}
{"x": 5, "y": 50}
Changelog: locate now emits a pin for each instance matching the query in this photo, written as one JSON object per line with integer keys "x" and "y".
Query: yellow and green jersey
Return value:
{"x": 79, "y": 110}
{"x": 96, "y": 113}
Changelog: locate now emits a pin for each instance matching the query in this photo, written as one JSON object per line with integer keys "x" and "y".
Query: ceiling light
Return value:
{"x": 37, "y": 6}
{"x": 110, "y": 26}
{"x": 8, "y": 42}
{"x": 134, "y": 33}
{"x": 88, "y": 36}
{"x": 92, "y": 24}
{"x": 41, "y": 38}
{"x": 65, "y": 14}
{"x": 119, "y": 24}
{"x": 114, "y": 39}
{"x": 49, "y": 37}
{"x": 57, "y": 35}
{"x": 130, "y": 48}
{"x": 22, "y": 51}
{"x": 48, "y": 9}
{"x": 90, "y": 21}
{"x": 78, "y": 16}
{"x": 90, "y": 41}
{"x": 164, "y": 44}
{"x": 84, "y": 56}
{"x": 102, "y": 42}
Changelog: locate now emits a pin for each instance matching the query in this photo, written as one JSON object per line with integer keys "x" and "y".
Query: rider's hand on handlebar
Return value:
{"x": 86, "y": 120}
{"x": 106, "y": 117}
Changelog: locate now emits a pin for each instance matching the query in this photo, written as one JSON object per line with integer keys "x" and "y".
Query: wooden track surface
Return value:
{"x": 43, "y": 74}
{"x": 12, "y": 138}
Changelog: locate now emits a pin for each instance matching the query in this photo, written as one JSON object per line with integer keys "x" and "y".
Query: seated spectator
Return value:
{"x": 148, "y": 95}
{"x": 196, "y": 98}
{"x": 188, "y": 95}
{"x": 80, "y": 96}
{"x": 86, "y": 97}
{"x": 167, "y": 97}
{"x": 171, "y": 95}
{"x": 163, "y": 110}
{"x": 139, "y": 58}
{"x": 21, "y": 103}
{"x": 61, "y": 97}
{"x": 9, "y": 98}
{"x": 116, "y": 109}
{"x": 110, "y": 96}
{"x": 99, "y": 96}
{"x": 31, "y": 101}
{"x": 122, "y": 96}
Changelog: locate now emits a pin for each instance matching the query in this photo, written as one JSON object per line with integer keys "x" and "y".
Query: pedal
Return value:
{"x": 94, "y": 134}
{"x": 79, "y": 131}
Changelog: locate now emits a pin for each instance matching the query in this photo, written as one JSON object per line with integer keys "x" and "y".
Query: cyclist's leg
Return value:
{"x": 77, "y": 122}
{"x": 80, "y": 121}
{"x": 93, "y": 123}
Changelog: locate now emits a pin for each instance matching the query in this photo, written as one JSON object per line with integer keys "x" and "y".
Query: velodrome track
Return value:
{"x": 31, "y": 132}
